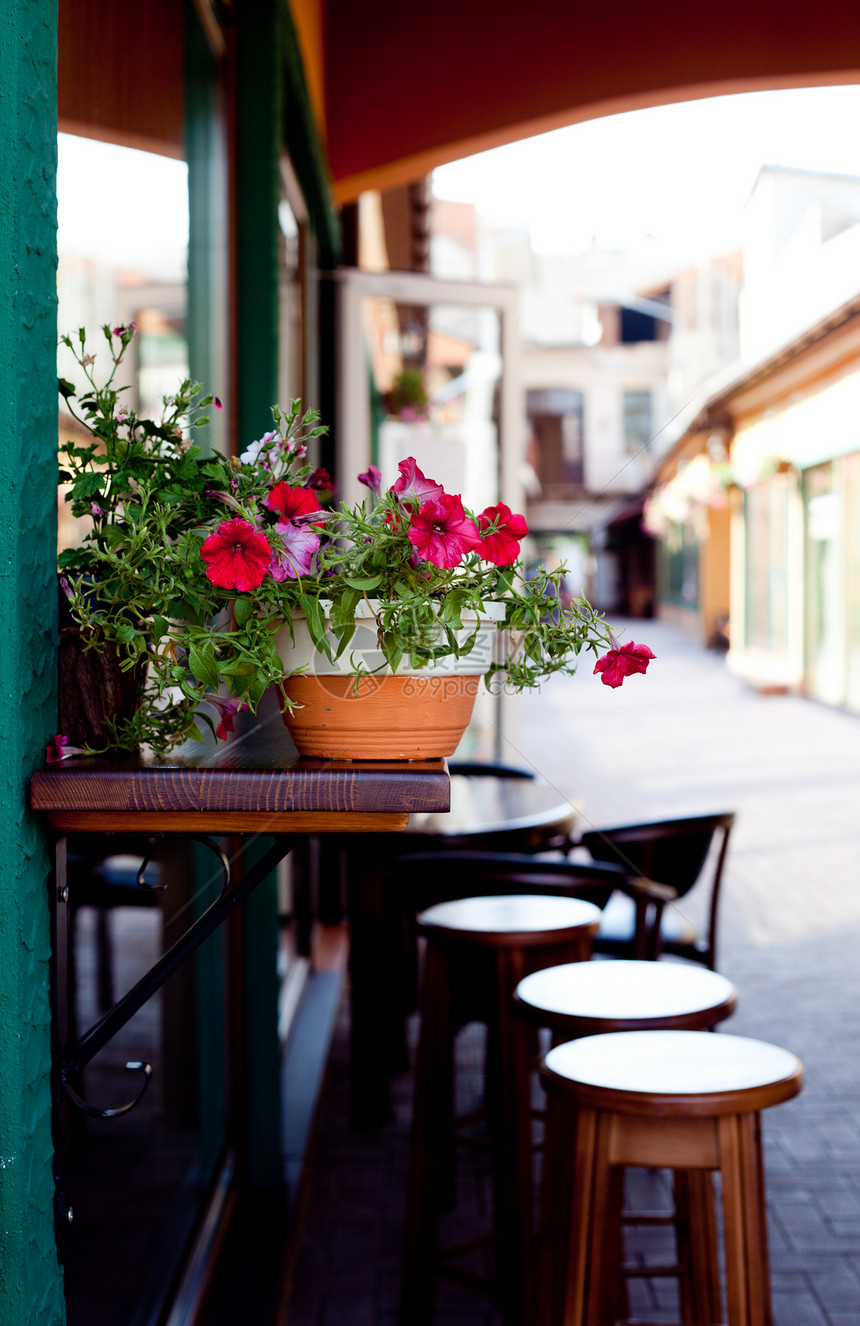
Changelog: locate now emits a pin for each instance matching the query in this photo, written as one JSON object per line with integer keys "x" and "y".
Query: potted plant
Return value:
{"x": 407, "y": 397}
{"x": 209, "y": 580}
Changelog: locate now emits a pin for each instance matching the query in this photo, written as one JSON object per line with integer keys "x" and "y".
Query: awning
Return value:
{"x": 408, "y": 87}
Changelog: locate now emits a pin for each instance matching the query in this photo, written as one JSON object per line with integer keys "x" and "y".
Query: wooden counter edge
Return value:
{"x": 226, "y": 822}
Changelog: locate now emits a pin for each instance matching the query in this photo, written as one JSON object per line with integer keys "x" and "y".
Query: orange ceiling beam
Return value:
{"x": 409, "y": 87}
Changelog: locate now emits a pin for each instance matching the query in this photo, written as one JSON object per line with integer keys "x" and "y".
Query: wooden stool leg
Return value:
{"x": 509, "y": 1103}
{"x": 601, "y": 1219}
{"x": 556, "y": 1213}
{"x": 747, "y": 1268}
{"x": 431, "y": 1114}
{"x": 578, "y": 1267}
{"x": 614, "y": 1295}
{"x": 696, "y": 1232}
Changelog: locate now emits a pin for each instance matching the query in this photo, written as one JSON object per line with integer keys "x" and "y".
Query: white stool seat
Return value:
{"x": 510, "y": 914}
{"x": 628, "y": 995}
{"x": 675, "y": 1064}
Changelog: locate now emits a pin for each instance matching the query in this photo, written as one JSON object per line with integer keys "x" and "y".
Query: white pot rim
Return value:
{"x": 298, "y": 652}
{"x": 365, "y": 609}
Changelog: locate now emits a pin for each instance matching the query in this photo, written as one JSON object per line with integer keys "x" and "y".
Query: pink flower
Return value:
{"x": 291, "y": 502}
{"x": 413, "y": 486}
{"x": 58, "y": 749}
{"x": 237, "y": 556}
{"x": 96, "y": 510}
{"x": 217, "y": 402}
{"x": 442, "y": 532}
{"x": 623, "y": 662}
{"x": 228, "y": 709}
{"x": 502, "y": 546}
{"x": 372, "y": 479}
{"x": 300, "y": 544}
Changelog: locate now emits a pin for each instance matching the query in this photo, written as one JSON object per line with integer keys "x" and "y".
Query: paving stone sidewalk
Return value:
{"x": 687, "y": 737}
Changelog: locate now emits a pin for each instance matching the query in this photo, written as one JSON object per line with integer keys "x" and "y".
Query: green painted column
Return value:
{"x": 30, "y": 1280}
{"x": 259, "y": 130}
{"x": 206, "y": 151}
{"x": 258, "y": 147}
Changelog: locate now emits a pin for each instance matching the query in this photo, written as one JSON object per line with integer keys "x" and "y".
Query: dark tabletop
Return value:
{"x": 484, "y": 804}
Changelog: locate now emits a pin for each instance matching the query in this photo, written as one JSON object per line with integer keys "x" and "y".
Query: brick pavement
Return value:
{"x": 688, "y": 737}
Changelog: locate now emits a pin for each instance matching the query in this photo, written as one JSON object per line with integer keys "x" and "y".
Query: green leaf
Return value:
{"x": 158, "y": 629}
{"x": 316, "y": 623}
{"x": 203, "y": 666}
{"x": 363, "y": 582}
{"x": 88, "y": 485}
{"x": 393, "y": 652}
{"x": 66, "y": 388}
{"x": 237, "y": 667}
{"x": 242, "y": 609}
{"x": 257, "y": 690}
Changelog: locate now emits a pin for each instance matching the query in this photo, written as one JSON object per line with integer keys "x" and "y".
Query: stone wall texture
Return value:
{"x": 30, "y": 1279}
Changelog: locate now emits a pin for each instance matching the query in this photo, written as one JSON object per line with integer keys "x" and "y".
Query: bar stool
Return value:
{"x": 478, "y": 949}
{"x": 596, "y": 998}
{"x": 680, "y": 1100}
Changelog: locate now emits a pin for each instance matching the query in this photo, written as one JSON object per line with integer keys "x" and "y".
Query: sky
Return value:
{"x": 126, "y": 207}
{"x": 679, "y": 173}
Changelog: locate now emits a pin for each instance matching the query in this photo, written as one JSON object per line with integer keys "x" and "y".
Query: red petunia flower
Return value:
{"x": 237, "y": 556}
{"x": 623, "y": 662}
{"x": 228, "y": 709}
{"x": 412, "y": 484}
{"x": 291, "y": 502}
{"x": 320, "y": 479}
{"x": 442, "y": 532}
{"x": 502, "y": 546}
{"x": 58, "y": 749}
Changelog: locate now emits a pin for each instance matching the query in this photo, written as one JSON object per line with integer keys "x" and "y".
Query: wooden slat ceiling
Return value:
{"x": 120, "y": 78}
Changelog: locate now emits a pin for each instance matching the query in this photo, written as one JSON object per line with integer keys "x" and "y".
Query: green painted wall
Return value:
{"x": 30, "y": 1281}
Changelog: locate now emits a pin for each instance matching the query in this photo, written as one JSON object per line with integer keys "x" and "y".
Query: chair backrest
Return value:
{"x": 439, "y": 876}
{"x": 670, "y": 852}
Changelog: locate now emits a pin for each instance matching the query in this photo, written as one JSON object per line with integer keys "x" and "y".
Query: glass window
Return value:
{"x": 825, "y": 585}
{"x": 556, "y": 453}
{"x": 678, "y": 568}
{"x": 638, "y": 420}
{"x": 139, "y": 1182}
{"x": 436, "y": 371}
{"x": 852, "y": 513}
{"x": 766, "y": 515}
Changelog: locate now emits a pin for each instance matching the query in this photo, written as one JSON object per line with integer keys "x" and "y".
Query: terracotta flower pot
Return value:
{"x": 379, "y": 715}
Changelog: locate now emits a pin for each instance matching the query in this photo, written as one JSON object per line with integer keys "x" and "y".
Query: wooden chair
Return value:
{"x": 680, "y": 1100}
{"x": 672, "y": 853}
{"x": 439, "y": 876}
